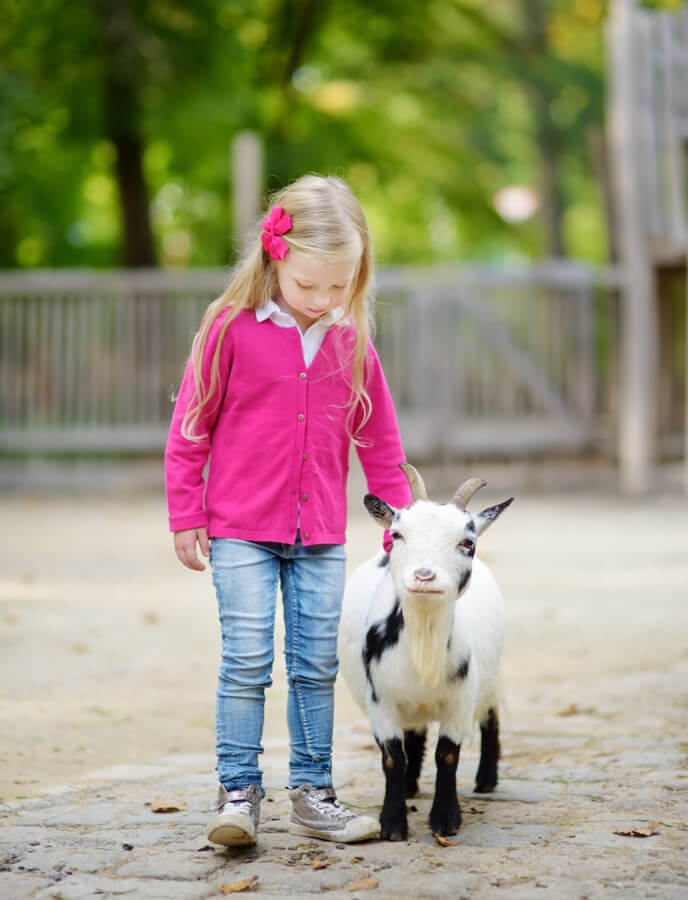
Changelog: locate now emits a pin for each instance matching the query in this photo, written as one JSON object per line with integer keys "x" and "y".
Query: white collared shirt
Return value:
{"x": 313, "y": 336}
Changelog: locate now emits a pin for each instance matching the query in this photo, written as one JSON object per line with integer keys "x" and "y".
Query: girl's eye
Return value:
{"x": 396, "y": 536}
{"x": 304, "y": 287}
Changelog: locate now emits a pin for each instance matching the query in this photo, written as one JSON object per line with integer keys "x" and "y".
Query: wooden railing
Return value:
{"x": 479, "y": 361}
{"x": 496, "y": 363}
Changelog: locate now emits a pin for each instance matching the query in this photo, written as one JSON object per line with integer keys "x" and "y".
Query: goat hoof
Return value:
{"x": 484, "y": 788}
{"x": 394, "y": 835}
{"x": 394, "y": 828}
{"x": 446, "y": 821}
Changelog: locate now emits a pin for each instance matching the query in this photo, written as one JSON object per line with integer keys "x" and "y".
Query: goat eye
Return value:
{"x": 466, "y": 544}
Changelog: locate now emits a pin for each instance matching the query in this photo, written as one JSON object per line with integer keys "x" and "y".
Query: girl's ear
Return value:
{"x": 485, "y": 518}
{"x": 379, "y": 510}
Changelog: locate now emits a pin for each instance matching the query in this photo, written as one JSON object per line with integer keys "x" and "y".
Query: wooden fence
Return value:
{"x": 647, "y": 131}
{"x": 480, "y": 362}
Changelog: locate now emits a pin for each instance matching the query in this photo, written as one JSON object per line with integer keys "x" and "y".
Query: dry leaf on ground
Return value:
{"x": 363, "y": 884}
{"x": 571, "y": 710}
{"x": 443, "y": 841}
{"x": 236, "y": 887}
{"x": 639, "y": 832}
{"x": 160, "y": 805}
{"x": 320, "y": 863}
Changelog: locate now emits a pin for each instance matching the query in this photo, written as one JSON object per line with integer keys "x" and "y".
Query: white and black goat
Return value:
{"x": 420, "y": 640}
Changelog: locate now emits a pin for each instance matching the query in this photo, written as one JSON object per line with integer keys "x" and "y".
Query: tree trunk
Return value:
{"x": 121, "y": 84}
{"x": 536, "y": 45}
{"x": 599, "y": 156}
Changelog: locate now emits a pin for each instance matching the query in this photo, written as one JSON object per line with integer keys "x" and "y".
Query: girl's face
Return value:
{"x": 308, "y": 288}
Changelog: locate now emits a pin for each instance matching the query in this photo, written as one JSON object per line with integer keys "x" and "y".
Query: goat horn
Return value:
{"x": 465, "y": 492}
{"x": 416, "y": 483}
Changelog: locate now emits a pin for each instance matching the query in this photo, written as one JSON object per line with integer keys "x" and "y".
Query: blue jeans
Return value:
{"x": 245, "y": 575}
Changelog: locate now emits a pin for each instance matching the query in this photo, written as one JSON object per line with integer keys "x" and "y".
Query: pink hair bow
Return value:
{"x": 277, "y": 223}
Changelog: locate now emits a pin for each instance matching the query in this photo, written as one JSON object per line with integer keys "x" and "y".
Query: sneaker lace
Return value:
{"x": 333, "y": 809}
{"x": 240, "y": 806}
{"x": 244, "y": 805}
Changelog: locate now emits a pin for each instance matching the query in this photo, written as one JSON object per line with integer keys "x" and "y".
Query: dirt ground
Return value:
{"x": 109, "y": 648}
{"x": 108, "y": 660}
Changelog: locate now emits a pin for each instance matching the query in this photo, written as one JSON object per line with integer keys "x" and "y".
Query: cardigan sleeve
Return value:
{"x": 185, "y": 459}
{"x": 380, "y": 450}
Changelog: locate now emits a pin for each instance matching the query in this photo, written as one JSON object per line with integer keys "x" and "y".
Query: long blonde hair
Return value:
{"x": 327, "y": 222}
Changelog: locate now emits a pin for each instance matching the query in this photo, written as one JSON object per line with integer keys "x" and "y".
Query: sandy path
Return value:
{"x": 109, "y": 648}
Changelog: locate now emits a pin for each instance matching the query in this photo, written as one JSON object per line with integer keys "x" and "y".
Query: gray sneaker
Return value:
{"x": 238, "y": 812}
{"x": 316, "y": 812}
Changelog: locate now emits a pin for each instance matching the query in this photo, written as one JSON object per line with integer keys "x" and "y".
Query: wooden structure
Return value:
{"x": 648, "y": 135}
{"x": 246, "y": 171}
{"x": 481, "y": 362}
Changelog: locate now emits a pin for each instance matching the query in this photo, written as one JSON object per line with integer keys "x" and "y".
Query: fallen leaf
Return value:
{"x": 443, "y": 841}
{"x": 571, "y": 710}
{"x": 639, "y": 832}
{"x": 363, "y": 884}
{"x": 167, "y": 806}
{"x": 320, "y": 863}
{"x": 236, "y": 887}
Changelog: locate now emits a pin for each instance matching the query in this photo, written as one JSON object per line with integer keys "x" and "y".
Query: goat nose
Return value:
{"x": 424, "y": 574}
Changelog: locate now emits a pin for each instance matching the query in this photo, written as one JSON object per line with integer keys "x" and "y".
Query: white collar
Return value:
{"x": 270, "y": 310}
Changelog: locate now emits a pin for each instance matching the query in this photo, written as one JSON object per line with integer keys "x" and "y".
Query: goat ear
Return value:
{"x": 379, "y": 510}
{"x": 485, "y": 518}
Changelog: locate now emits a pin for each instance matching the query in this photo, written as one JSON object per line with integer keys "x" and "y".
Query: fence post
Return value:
{"x": 247, "y": 182}
{"x": 685, "y": 418}
{"x": 638, "y": 382}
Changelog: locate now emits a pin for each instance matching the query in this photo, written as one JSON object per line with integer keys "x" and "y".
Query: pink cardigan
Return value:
{"x": 278, "y": 440}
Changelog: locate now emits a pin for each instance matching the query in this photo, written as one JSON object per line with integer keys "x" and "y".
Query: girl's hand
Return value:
{"x": 185, "y": 547}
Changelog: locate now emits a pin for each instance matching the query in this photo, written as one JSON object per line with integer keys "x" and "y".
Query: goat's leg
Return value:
{"x": 486, "y": 777}
{"x": 393, "y": 817}
{"x": 445, "y": 815}
{"x": 414, "y": 746}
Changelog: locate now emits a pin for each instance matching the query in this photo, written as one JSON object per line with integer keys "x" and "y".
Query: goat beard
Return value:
{"x": 428, "y": 631}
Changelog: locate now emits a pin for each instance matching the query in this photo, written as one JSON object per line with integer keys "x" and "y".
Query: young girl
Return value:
{"x": 282, "y": 377}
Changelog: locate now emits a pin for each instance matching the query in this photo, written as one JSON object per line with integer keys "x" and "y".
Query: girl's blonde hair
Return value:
{"x": 328, "y": 223}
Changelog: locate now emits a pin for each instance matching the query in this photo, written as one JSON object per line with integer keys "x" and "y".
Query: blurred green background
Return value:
{"x": 428, "y": 109}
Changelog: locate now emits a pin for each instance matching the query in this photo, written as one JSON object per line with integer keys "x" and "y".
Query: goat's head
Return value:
{"x": 433, "y": 543}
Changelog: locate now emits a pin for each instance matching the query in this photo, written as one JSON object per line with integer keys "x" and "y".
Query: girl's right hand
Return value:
{"x": 185, "y": 547}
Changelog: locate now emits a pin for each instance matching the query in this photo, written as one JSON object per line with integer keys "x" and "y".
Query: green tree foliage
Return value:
{"x": 428, "y": 109}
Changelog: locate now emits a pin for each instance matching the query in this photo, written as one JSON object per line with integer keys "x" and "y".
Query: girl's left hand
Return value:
{"x": 185, "y": 547}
